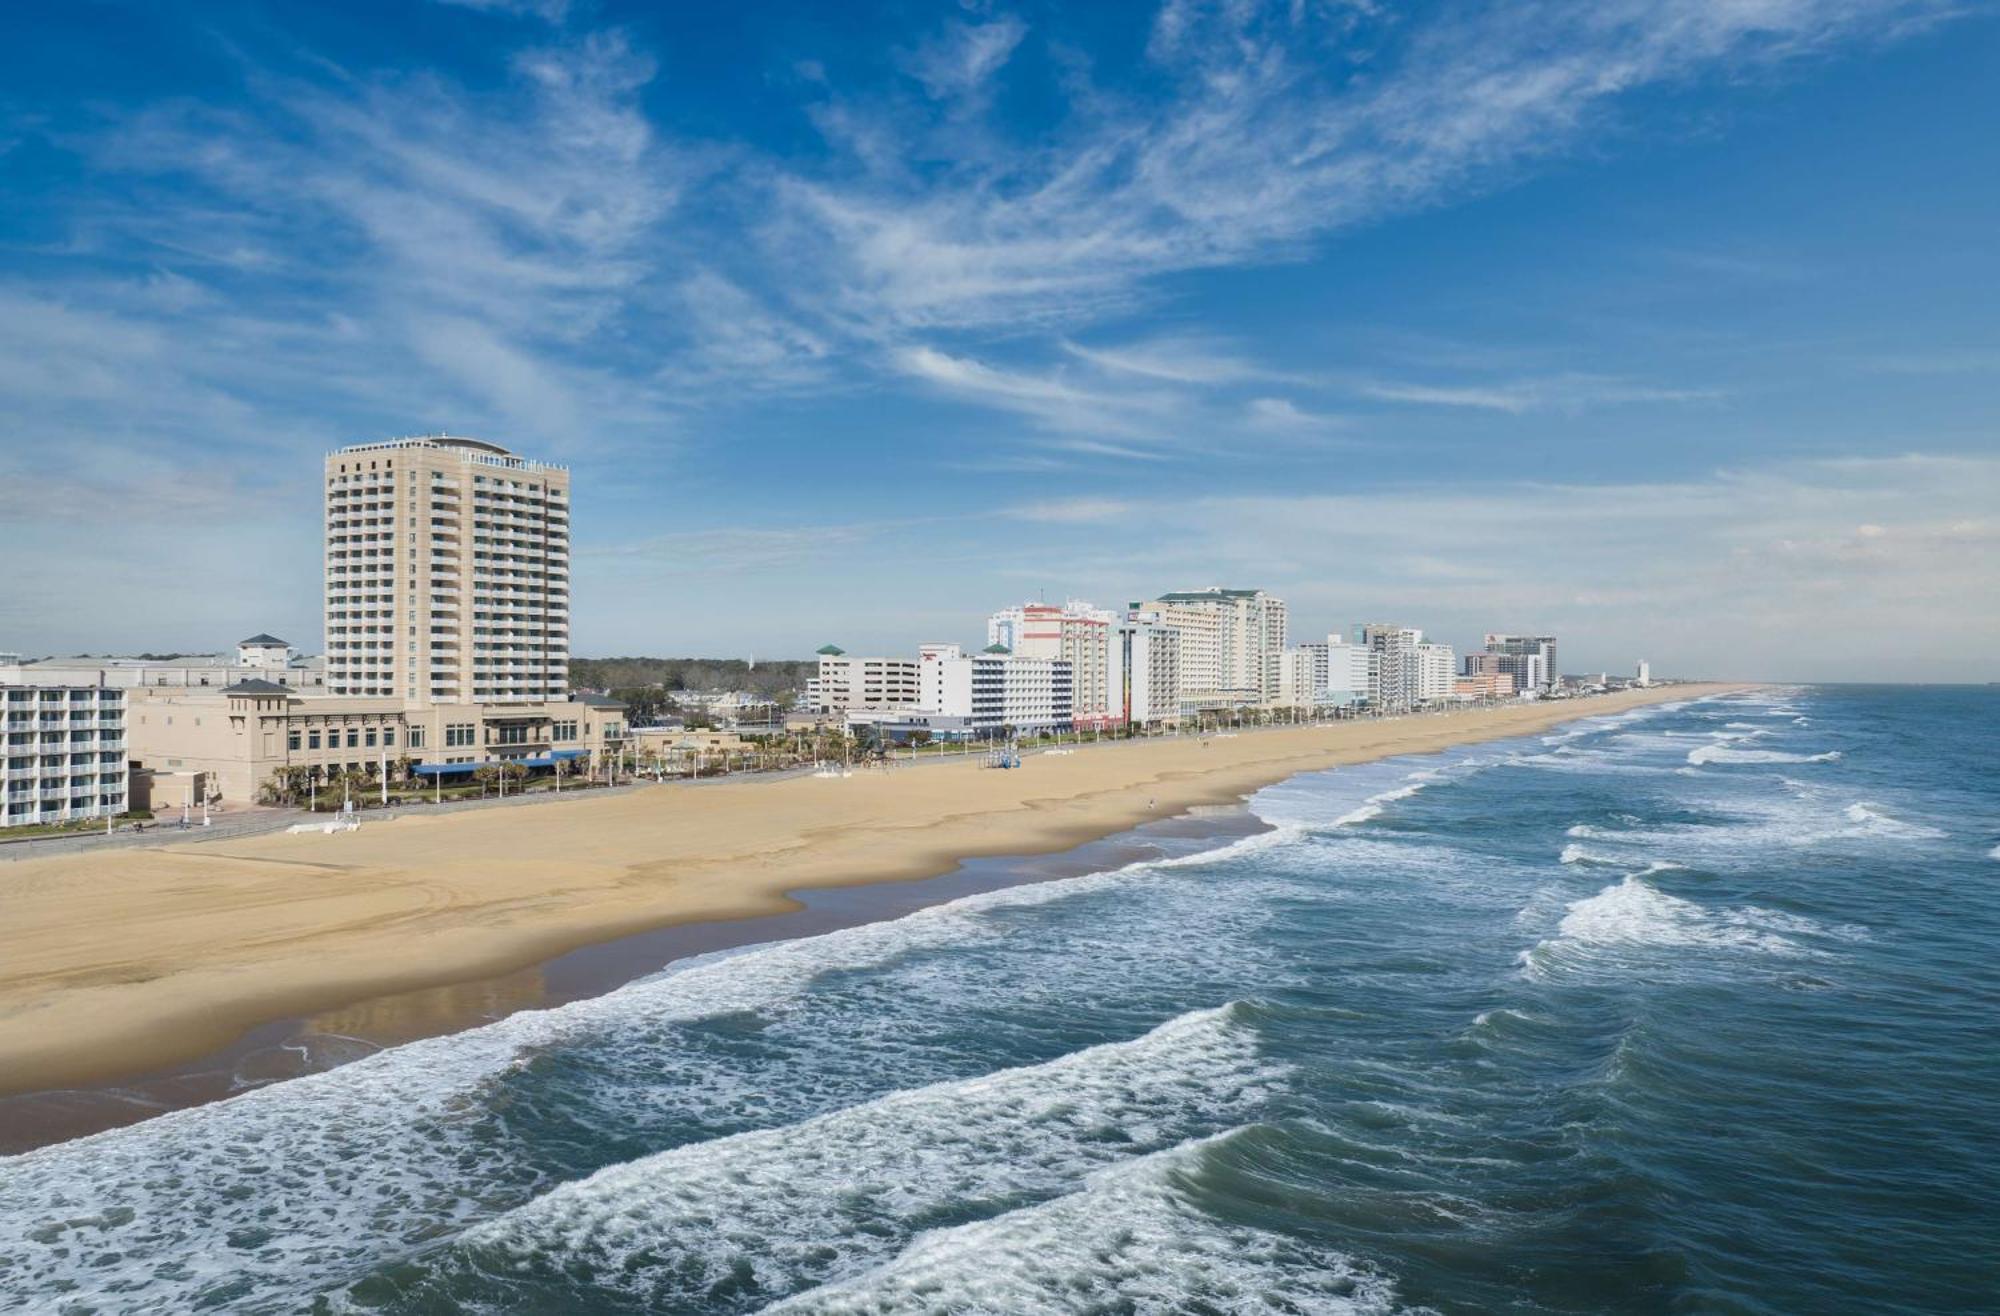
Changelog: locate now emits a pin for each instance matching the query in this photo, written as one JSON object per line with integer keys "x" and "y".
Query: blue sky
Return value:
{"x": 1667, "y": 325}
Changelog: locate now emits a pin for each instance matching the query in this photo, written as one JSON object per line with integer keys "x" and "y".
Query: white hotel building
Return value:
{"x": 1333, "y": 674}
{"x": 1437, "y": 674}
{"x": 65, "y": 753}
{"x": 1145, "y": 671}
{"x": 977, "y": 696}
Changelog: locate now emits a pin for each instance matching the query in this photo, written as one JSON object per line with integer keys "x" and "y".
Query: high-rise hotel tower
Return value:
{"x": 447, "y": 573}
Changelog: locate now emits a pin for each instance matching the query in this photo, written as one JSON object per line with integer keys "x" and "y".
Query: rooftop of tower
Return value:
{"x": 470, "y": 449}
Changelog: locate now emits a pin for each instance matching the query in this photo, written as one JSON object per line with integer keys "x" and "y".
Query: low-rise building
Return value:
{"x": 66, "y": 753}
{"x": 1485, "y": 685}
{"x": 843, "y": 683}
{"x": 262, "y": 656}
{"x": 242, "y": 736}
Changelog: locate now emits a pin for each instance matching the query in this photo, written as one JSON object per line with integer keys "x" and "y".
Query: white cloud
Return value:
{"x": 1569, "y": 393}
{"x": 1270, "y": 140}
{"x": 1073, "y": 511}
{"x": 964, "y": 56}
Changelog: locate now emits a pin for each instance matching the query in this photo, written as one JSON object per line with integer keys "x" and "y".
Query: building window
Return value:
{"x": 292, "y": 739}
{"x": 371, "y": 738}
{"x": 312, "y": 740}
{"x": 389, "y": 736}
{"x": 353, "y": 738}
{"x": 416, "y": 737}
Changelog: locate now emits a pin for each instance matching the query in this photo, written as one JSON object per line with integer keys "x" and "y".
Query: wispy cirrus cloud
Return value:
{"x": 960, "y": 59}
{"x": 1574, "y": 392}
{"x": 1270, "y": 139}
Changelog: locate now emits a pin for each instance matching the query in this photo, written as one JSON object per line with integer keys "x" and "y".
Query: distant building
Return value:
{"x": 1644, "y": 676}
{"x": 1232, "y": 643}
{"x": 844, "y": 684}
{"x": 1436, "y": 677}
{"x": 983, "y": 694}
{"x": 66, "y": 753}
{"x": 1485, "y": 685}
{"x": 1395, "y": 671}
{"x": 1325, "y": 674}
{"x": 1529, "y": 659}
{"x": 1076, "y": 632}
{"x": 1146, "y": 670}
{"x": 263, "y": 656}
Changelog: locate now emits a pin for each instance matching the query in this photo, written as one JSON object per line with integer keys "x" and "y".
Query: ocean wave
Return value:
{"x": 292, "y": 1186}
{"x": 1576, "y": 854}
{"x": 790, "y": 1208}
{"x": 1309, "y": 804}
{"x": 1723, "y": 754}
{"x": 1872, "y": 821}
{"x": 1132, "y": 1241}
{"x": 1634, "y": 916}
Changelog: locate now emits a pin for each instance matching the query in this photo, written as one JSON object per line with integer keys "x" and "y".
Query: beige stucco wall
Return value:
{"x": 241, "y": 741}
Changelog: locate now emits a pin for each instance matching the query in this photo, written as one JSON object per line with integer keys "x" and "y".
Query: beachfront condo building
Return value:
{"x": 1145, "y": 671}
{"x": 984, "y": 695}
{"x": 65, "y": 753}
{"x": 1393, "y": 669}
{"x": 447, "y": 573}
{"x": 844, "y": 684}
{"x": 1329, "y": 674}
{"x": 1232, "y": 644}
{"x": 1075, "y": 632}
{"x": 1437, "y": 677}
{"x": 1529, "y": 659}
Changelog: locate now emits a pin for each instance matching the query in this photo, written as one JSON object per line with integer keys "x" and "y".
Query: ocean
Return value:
{"x": 1688, "y": 1009}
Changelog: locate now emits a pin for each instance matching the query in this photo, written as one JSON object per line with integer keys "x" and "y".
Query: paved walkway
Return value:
{"x": 258, "y": 822}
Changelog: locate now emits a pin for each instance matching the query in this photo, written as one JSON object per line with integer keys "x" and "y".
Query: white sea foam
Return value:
{"x": 809, "y": 1203}
{"x": 1130, "y": 1241}
{"x": 1994, "y": 853}
{"x": 1872, "y": 821}
{"x": 1723, "y": 754}
{"x": 296, "y": 1185}
{"x": 1576, "y": 854}
{"x": 1632, "y": 916}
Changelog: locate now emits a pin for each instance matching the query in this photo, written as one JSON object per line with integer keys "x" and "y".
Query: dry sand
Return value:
{"x": 117, "y": 962}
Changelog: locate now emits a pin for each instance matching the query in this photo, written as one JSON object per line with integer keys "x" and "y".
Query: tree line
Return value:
{"x": 646, "y": 685}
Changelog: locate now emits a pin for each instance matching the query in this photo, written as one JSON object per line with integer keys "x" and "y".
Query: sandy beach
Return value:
{"x": 115, "y": 963}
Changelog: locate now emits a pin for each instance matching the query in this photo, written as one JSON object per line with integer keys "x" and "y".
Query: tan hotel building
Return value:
{"x": 447, "y": 633}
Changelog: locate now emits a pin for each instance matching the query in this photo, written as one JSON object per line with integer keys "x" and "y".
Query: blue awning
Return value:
{"x": 548, "y": 760}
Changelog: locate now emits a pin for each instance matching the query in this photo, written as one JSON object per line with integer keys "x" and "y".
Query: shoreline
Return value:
{"x": 124, "y": 964}
{"x": 295, "y": 1047}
